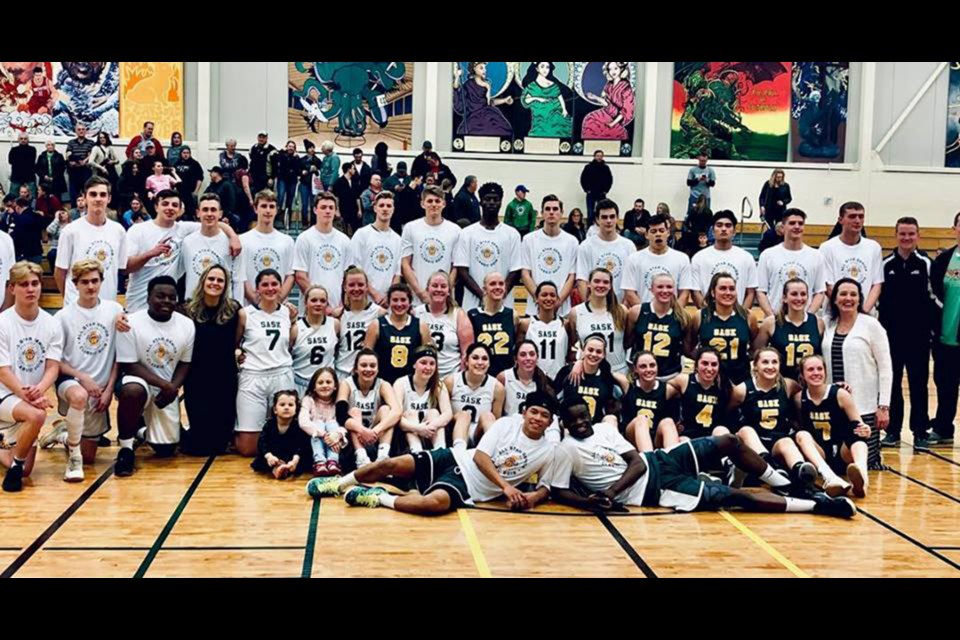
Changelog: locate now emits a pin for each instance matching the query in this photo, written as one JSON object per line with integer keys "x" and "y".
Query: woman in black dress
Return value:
{"x": 210, "y": 390}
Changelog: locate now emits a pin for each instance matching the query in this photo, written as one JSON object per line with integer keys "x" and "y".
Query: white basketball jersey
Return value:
{"x": 552, "y": 344}
{"x": 602, "y": 322}
{"x": 516, "y": 392}
{"x": 353, "y": 331}
{"x": 410, "y": 400}
{"x": 476, "y": 401}
{"x": 315, "y": 348}
{"x": 443, "y": 330}
{"x": 368, "y": 403}
{"x": 266, "y": 339}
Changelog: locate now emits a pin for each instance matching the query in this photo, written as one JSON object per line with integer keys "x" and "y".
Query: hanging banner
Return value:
{"x": 151, "y": 91}
{"x": 818, "y": 122}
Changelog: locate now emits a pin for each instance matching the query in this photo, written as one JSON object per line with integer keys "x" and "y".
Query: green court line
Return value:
{"x": 311, "y": 540}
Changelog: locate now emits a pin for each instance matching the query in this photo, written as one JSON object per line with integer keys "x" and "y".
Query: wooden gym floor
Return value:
{"x": 196, "y": 517}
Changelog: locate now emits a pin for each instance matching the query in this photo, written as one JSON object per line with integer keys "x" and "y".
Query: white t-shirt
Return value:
{"x": 432, "y": 247}
{"x": 90, "y": 338}
{"x": 143, "y": 237}
{"x": 643, "y": 266}
{"x": 734, "y": 261}
{"x": 200, "y": 252}
{"x": 26, "y": 345}
{"x": 8, "y": 257}
{"x": 323, "y": 257}
{"x": 549, "y": 259}
{"x": 107, "y": 244}
{"x": 377, "y": 253}
{"x": 611, "y": 255}
{"x": 778, "y": 264}
{"x": 598, "y": 463}
{"x": 863, "y": 262}
{"x": 160, "y": 346}
{"x": 261, "y": 251}
{"x": 484, "y": 251}
{"x": 515, "y": 456}
{"x": 266, "y": 339}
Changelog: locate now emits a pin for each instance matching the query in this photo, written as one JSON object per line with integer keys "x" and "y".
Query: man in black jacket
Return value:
{"x": 228, "y": 198}
{"x": 263, "y": 156}
{"x": 27, "y": 232}
{"x": 596, "y": 180}
{"x": 945, "y": 282}
{"x": 364, "y": 172}
{"x": 420, "y": 166}
{"x": 23, "y": 165}
{"x": 191, "y": 176}
{"x": 466, "y": 205}
{"x": 908, "y": 311}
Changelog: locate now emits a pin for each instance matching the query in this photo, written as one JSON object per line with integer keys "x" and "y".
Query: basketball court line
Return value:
{"x": 931, "y": 550}
{"x": 763, "y": 544}
{"x": 307, "y": 570}
{"x": 626, "y": 546}
{"x": 939, "y": 457}
{"x": 474, "y": 543}
{"x": 577, "y": 514}
{"x": 945, "y": 548}
{"x": 924, "y": 485}
{"x": 172, "y": 522}
{"x": 190, "y": 548}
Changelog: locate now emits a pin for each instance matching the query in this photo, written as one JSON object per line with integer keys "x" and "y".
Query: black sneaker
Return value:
{"x": 921, "y": 443}
{"x": 104, "y": 441}
{"x": 124, "y": 464}
{"x": 934, "y": 439}
{"x": 890, "y": 440}
{"x": 836, "y": 507}
{"x": 804, "y": 473}
{"x": 13, "y": 481}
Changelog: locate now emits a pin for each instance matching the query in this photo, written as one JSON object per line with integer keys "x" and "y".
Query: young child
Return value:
{"x": 318, "y": 419}
{"x": 282, "y": 448}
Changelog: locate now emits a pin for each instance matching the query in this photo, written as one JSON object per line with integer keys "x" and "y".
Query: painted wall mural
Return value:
{"x": 151, "y": 91}
{"x": 819, "y": 111}
{"x": 952, "y": 157}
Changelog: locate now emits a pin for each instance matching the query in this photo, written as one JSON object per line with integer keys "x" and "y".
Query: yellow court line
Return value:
{"x": 478, "y": 558}
{"x": 766, "y": 546}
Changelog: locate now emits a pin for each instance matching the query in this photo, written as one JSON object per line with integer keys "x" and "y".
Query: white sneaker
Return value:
{"x": 74, "y": 472}
{"x": 53, "y": 437}
{"x": 859, "y": 479}
{"x": 836, "y": 487}
{"x": 362, "y": 459}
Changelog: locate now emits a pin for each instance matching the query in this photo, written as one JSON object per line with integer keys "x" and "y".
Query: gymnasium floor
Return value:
{"x": 189, "y": 517}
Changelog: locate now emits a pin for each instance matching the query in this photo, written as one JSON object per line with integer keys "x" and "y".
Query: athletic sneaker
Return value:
{"x": 74, "y": 472}
{"x": 890, "y": 440}
{"x": 324, "y": 487}
{"x": 858, "y": 479}
{"x": 836, "y": 487}
{"x": 13, "y": 481}
{"x": 364, "y": 496}
{"x": 123, "y": 467}
{"x": 836, "y": 507}
{"x": 104, "y": 441}
{"x": 937, "y": 440}
{"x": 52, "y": 437}
{"x": 804, "y": 473}
{"x": 920, "y": 443}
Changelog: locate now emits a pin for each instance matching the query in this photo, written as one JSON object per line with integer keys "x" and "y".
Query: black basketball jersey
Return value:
{"x": 795, "y": 343}
{"x": 731, "y": 338}
{"x": 663, "y": 337}
{"x": 769, "y": 412}
{"x": 498, "y": 332}
{"x": 395, "y": 348}
{"x": 827, "y": 421}
{"x": 700, "y": 409}
{"x": 652, "y": 404}
{"x": 596, "y": 389}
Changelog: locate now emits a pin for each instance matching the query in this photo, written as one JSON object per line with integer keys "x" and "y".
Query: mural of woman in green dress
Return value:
{"x": 550, "y": 109}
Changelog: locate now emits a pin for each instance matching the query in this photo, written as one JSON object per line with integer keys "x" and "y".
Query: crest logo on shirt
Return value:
{"x": 31, "y": 355}
{"x": 383, "y": 258}
{"x": 605, "y": 456}
{"x": 855, "y": 268}
{"x": 92, "y": 339}
{"x": 652, "y": 272}
{"x": 432, "y": 250}
{"x": 726, "y": 267}
{"x": 203, "y": 260}
{"x": 550, "y": 261}
{"x": 487, "y": 253}
{"x": 511, "y": 462}
{"x": 329, "y": 257}
{"x": 161, "y": 353}
{"x": 102, "y": 252}
{"x": 611, "y": 262}
{"x": 791, "y": 270}
{"x": 266, "y": 258}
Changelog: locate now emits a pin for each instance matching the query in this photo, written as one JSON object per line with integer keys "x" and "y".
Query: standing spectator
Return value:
{"x": 231, "y": 160}
{"x": 697, "y": 230}
{"x": 191, "y": 177}
{"x": 78, "y": 161}
{"x": 288, "y": 165}
{"x": 774, "y": 198}
{"x": 520, "y": 212}
{"x": 47, "y": 204}
{"x": 466, "y": 205}
{"x": 244, "y": 202}
{"x": 133, "y": 181}
{"x": 399, "y": 178}
{"x": 406, "y": 197}
{"x": 103, "y": 160}
{"x": 51, "y": 170}
{"x": 347, "y": 197}
{"x": 61, "y": 220}
{"x": 907, "y": 311}
{"x": 136, "y": 213}
{"x": 23, "y": 165}
{"x": 852, "y": 255}
{"x": 575, "y": 226}
{"x": 150, "y": 157}
{"x": 945, "y": 282}
{"x": 141, "y": 140}
{"x": 368, "y": 197}
{"x": 176, "y": 146}
{"x": 27, "y": 232}
{"x": 263, "y": 157}
{"x": 161, "y": 180}
{"x": 596, "y": 180}
{"x": 364, "y": 172}
{"x": 330, "y": 167}
{"x": 310, "y": 182}
{"x": 225, "y": 190}
{"x": 636, "y": 222}
{"x": 7, "y": 218}
{"x": 420, "y": 165}
{"x": 856, "y": 350}
{"x": 700, "y": 179}
{"x": 380, "y": 165}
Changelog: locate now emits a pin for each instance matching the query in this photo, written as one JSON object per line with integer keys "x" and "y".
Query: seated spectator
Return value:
{"x": 136, "y": 213}
{"x": 60, "y": 220}
{"x": 47, "y": 204}
{"x": 575, "y": 225}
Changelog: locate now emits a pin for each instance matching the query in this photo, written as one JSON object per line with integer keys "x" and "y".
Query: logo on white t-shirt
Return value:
{"x": 31, "y": 355}
{"x": 161, "y": 353}
{"x": 266, "y": 258}
{"x": 432, "y": 250}
{"x": 203, "y": 260}
{"x": 383, "y": 258}
{"x": 726, "y": 267}
{"x": 791, "y": 270}
{"x": 102, "y": 252}
{"x": 652, "y": 272}
{"x": 92, "y": 339}
{"x": 510, "y": 461}
{"x": 854, "y": 268}
{"x": 487, "y": 253}
{"x": 605, "y": 456}
{"x": 549, "y": 261}
{"x": 329, "y": 257}
{"x": 611, "y": 262}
